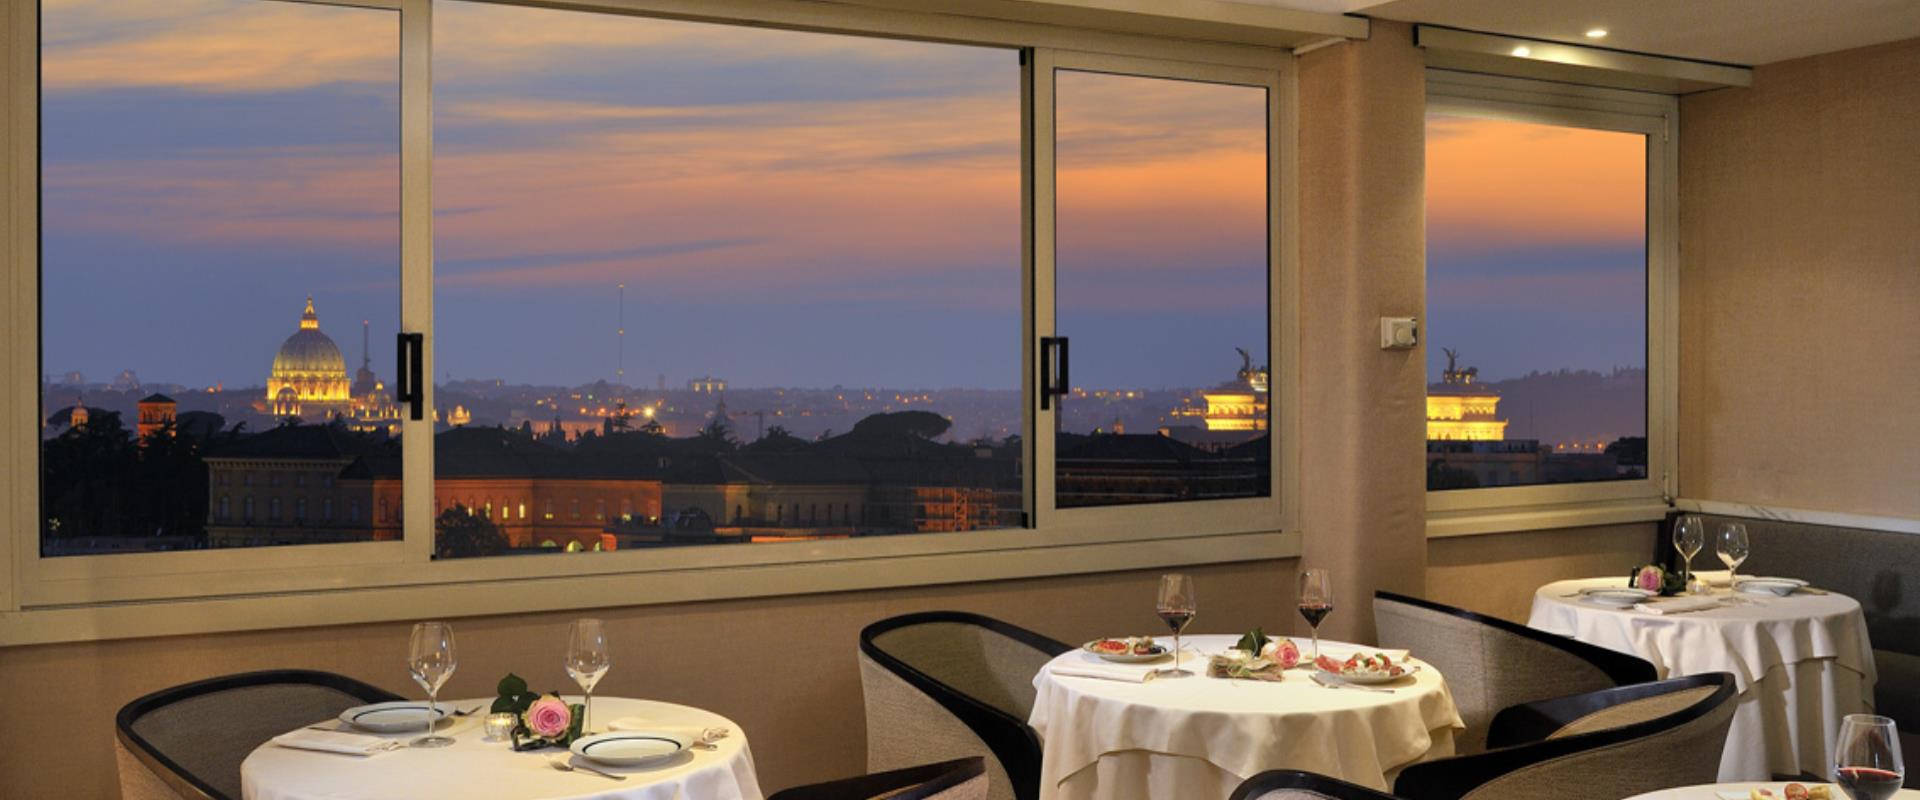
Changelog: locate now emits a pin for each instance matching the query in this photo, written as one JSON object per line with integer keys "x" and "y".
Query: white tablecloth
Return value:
{"x": 475, "y": 768}
{"x": 1200, "y": 737}
{"x": 1801, "y": 663}
{"x": 1712, "y": 792}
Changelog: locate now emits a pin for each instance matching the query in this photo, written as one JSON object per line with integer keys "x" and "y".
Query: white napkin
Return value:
{"x": 695, "y": 734}
{"x": 1103, "y": 672}
{"x": 1678, "y": 605}
{"x": 357, "y": 744}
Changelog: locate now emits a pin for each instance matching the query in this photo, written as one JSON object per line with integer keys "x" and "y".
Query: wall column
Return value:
{"x": 1362, "y": 256}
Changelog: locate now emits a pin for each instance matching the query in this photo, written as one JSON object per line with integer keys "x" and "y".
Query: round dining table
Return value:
{"x": 1742, "y": 791}
{"x": 1800, "y": 663}
{"x": 1197, "y": 737}
{"x": 473, "y": 767}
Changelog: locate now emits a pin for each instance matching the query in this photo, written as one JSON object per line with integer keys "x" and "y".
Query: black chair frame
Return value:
{"x": 178, "y": 778}
{"x": 1623, "y": 669}
{"x": 1527, "y": 724}
{"x": 1009, "y": 738}
{"x": 1278, "y": 779}
{"x": 914, "y": 783}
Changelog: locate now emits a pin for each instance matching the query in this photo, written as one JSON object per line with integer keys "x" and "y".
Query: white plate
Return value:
{"x": 394, "y": 717}
{"x": 1779, "y": 587}
{"x": 1617, "y": 597}
{"x": 1369, "y": 678}
{"x": 1127, "y": 658}
{"x": 627, "y": 748}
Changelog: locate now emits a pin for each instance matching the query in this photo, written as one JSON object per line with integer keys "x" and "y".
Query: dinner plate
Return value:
{"x": 1780, "y": 587}
{"x": 1617, "y": 597}
{"x": 1370, "y": 678}
{"x": 627, "y": 748}
{"x": 1127, "y": 658}
{"x": 400, "y": 715}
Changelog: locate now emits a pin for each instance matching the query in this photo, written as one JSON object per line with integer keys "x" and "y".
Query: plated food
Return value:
{"x": 1794, "y": 791}
{"x": 1778, "y": 587}
{"x": 1127, "y": 650}
{"x": 1365, "y": 667}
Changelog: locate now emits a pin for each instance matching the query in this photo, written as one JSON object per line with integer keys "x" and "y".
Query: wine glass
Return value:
{"x": 1866, "y": 758}
{"x": 1316, "y": 601}
{"x": 1176, "y": 606}
{"x": 430, "y": 660}
{"x": 1732, "y": 547}
{"x": 587, "y": 660}
{"x": 1689, "y": 537}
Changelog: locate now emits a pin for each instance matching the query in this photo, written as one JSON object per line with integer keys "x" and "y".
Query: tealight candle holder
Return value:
{"x": 500, "y": 725}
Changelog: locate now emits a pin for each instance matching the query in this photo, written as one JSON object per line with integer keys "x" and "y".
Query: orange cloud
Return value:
{"x": 1534, "y": 183}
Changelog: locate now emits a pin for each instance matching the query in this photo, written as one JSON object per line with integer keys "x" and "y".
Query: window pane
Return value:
{"x": 742, "y": 285}
{"x": 1161, "y": 290}
{"x": 219, "y": 200}
{"x": 1536, "y": 303}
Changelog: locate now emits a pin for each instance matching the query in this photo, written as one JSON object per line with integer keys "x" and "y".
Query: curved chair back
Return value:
{"x": 1618, "y": 742}
{"x": 959, "y": 779}
{"x": 1287, "y": 784}
{"x": 941, "y": 685}
{"x": 1491, "y": 663}
{"x": 188, "y": 741}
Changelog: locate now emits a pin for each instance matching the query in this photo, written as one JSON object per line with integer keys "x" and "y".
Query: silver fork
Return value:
{"x": 560, "y": 762}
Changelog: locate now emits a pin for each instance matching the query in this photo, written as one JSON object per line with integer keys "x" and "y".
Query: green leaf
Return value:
{"x": 575, "y": 727}
{"x": 511, "y": 686}
{"x": 1253, "y": 642}
{"x": 500, "y": 704}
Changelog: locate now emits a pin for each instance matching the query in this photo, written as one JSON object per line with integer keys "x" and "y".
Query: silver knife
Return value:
{"x": 1339, "y": 684}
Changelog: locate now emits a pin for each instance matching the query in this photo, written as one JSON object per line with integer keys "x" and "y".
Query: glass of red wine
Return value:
{"x": 1866, "y": 758}
{"x": 1316, "y": 601}
{"x": 1176, "y": 606}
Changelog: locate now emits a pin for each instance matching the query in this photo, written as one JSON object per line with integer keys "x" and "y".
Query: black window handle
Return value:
{"x": 409, "y": 367}
{"x": 1053, "y": 369}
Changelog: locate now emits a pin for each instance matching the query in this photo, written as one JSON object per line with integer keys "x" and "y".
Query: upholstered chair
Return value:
{"x": 1491, "y": 663}
{"x": 188, "y": 741}
{"x": 960, "y": 779}
{"x": 941, "y": 685}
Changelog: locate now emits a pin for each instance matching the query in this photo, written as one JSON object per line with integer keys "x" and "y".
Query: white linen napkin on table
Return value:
{"x": 1678, "y": 605}
{"x": 355, "y": 744}
{"x": 1107, "y": 672}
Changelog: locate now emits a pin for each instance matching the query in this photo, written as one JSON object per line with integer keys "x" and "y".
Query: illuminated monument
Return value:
{"x": 1235, "y": 413}
{"x": 309, "y": 377}
{"x": 1459, "y": 411}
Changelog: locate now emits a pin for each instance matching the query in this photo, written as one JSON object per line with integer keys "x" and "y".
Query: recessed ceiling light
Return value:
{"x": 1522, "y": 51}
{"x": 1597, "y": 33}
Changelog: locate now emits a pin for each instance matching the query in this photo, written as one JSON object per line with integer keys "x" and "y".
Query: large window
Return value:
{"x": 1541, "y": 247}
{"x": 219, "y": 247}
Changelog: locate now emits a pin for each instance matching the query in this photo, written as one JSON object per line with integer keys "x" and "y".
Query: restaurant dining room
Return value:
{"x": 963, "y": 400}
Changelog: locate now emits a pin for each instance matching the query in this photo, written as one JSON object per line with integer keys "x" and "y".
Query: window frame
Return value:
{"x": 136, "y": 594}
{"x": 1501, "y": 509}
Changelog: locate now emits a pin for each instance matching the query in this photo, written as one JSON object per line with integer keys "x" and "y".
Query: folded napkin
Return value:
{"x": 357, "y": 744}
{"x": 696, "y": 736}
{"x": 1103, "y": 672}
{"x": 1678, "y": 605}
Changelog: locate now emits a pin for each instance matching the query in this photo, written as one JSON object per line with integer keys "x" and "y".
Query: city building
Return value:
{"x": 1230, "y": 414}
{"x": 156, "y": 414}
{"x": 1458, "y": 410}
{"x": 309, "y": 377}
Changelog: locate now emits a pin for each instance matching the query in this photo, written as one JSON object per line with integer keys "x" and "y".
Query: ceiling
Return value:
{"x": 1747, "y": 32}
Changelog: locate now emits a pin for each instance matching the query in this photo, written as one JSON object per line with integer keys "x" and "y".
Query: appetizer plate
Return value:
{"x": 1779, "y": 587}
{"x": 1370, "y": 678}
{"x": 1614, "y": 596}
{"x": 627, "y": 748}
{"x": 394, "y": 717}
{"x": 1159, "y": 651}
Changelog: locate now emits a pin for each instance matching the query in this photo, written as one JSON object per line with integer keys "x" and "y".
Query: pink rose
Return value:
{"x": 548, "y": 717}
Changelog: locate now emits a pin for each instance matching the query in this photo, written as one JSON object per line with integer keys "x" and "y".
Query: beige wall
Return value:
{"x": 1497, "y": 574}
{"x": 1800, "y": 286}
{"x": 782, "y": 668}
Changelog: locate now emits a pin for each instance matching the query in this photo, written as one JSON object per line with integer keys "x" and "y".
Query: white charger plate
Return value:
{"x": 393, "y": 717}
{"x": 1370, "y": 678}
{"x": 1778, "y": 587}
{"x": 1127, "y": 658}
{"x": 628, "y": 748}
{"x": 1615, "y": 596}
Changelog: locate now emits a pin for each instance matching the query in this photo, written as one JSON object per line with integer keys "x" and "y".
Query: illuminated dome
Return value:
{"x": 309, "y": 375}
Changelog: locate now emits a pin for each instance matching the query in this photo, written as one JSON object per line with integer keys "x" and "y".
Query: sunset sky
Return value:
{"x": 785, "y": 208}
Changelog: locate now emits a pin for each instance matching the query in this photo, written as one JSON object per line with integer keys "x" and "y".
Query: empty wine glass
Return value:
{"x": 430, "y": 659}
{"x": 1731, "y": 546}
{"x": 1689, "y": 537}
{"x": 1316, "y": 601}
{"x": 587, "y": 660}
{"x": 1177, "y": 605}
{"x": 1866, "y": 757}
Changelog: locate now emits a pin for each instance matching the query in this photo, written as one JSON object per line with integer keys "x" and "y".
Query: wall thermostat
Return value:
{"x": 1399, "y": 333}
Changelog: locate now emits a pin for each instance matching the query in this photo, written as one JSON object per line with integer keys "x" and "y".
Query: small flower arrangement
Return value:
{"x": 1255, "y": 657}
{"x": 543, "y": 720}
{"x": 1656, "y": 579}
